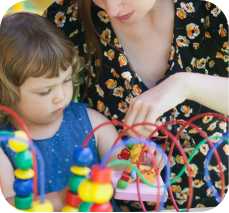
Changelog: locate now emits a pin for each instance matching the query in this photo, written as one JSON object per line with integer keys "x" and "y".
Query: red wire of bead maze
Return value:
{"x": 21, "y": 125}
{"x": 174, "y": 141}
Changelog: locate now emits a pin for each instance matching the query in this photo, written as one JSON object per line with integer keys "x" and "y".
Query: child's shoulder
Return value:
{"x": 80, "y": 109}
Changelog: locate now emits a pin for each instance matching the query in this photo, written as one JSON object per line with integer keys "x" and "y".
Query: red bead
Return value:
{"x": 101, "y": 208}
{"x": 125, "y": 154}
{"x": 72, "y": 199}
{"x": 125, "y": 177}
{"x": 101, "y": 175}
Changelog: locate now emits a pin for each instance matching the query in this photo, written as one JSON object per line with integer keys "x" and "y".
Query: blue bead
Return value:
{"x": 83, "y": 156}
{"x": 23, "y": 188}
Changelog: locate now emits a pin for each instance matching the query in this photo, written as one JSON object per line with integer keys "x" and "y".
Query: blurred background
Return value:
{"x": 33, "y": 6}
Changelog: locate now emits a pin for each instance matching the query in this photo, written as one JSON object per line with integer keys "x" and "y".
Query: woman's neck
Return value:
{"x": 152, "y": 21}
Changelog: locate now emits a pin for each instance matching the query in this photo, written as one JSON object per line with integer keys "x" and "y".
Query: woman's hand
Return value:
{"x": 150, "y": 105}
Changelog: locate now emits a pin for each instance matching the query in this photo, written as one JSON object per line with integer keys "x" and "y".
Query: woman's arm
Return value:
{"x": 211, "y": 91}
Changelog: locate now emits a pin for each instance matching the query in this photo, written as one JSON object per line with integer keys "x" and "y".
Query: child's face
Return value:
{"x": 42, "y": 100}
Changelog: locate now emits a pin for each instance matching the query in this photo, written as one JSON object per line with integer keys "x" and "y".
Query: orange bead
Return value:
{"x": 101, "y": 175}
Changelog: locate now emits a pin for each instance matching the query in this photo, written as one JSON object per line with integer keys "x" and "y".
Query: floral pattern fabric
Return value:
{"x": 200, "y": 45}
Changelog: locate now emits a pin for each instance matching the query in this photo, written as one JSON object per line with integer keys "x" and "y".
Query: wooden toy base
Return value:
{"x": 130, "y": 193}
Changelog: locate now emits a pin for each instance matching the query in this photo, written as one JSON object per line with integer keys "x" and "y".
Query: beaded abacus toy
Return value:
{"x": 90, "y": 187}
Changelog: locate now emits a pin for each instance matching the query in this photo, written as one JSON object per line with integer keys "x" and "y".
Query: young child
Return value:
{"x": 37, "y": 65}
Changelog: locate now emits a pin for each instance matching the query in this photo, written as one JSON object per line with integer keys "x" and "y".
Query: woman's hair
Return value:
{"x": 30, "y": 46}
{"x": 92, "y": 39}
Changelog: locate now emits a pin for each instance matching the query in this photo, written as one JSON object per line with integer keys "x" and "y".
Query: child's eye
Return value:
{"x": 45, "y": 92}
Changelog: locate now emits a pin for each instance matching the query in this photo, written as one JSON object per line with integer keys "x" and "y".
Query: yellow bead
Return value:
{"x": 18, "y": 145}
{"x": 21, "y": 134}
{"x": 94, "y": 192}
{"x": 42, "y": 207}
{"x": 81, "y": 171}
{"x": 85, "y": 191}
{"x": 24, "y": 174}
{"x": 69, "y": 209}
{"x": 101, "y": 193}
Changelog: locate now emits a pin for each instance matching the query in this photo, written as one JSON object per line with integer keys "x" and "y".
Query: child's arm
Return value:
{"x": 106, "y": 135}
{"x": 6, "y": 176}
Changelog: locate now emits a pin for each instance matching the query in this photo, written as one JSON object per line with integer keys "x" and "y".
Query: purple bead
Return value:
{"x": 83, "y": 156}
{"x": 23, "y": 188}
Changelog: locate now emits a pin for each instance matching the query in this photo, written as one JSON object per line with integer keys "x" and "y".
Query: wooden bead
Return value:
{"x": 81, "y": 171}
{"x": 106, "y": 207}
{"x": 124, "y": 154}
{"x": 37, "y": 206}
{"x": 69, "y": 209}
{"x": 133, "y": 175}
{"x": 74, "y": 182}
{"x": 85, "y": 191}
{"x": 93, "y": 192}
{"x": 122, "y": 184}
{"x": 101, "y": 175}
{"x": 23, "y": 188}
{"x": 72, "y": 199}
{"x": 85, "y": 207}
{"x": 23, "y": 202}
{"x": 23, "y": 160}
{"x": 17, "y": 146}
{"x": 21, "y": 134}
{"x": 101, "y": 193}
{"x": 83, "y": 156}
{"x": 125, "y": 177}
{"x": 24, "y": 174}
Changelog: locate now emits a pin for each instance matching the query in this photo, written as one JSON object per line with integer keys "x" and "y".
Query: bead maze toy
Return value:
{"x": 91, "y": 187}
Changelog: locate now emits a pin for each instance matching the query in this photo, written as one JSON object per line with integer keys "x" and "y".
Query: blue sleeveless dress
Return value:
{"x": 57, "y": 151}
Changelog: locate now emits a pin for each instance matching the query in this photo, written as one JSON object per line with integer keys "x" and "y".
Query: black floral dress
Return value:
{"x": 200, "y": 45}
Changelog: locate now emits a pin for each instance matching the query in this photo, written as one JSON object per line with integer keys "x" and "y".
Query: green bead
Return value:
{"x": 23, "y": 202}
{"x": 74, "y": 182}
{"x": 129, "y": 146}
{"x": 23, "y": 160}
{"x": 85, "y": 207}
{"x": 122, "y": 184}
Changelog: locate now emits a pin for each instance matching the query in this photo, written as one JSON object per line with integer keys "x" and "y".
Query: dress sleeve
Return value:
{"x": 216, "y": 38}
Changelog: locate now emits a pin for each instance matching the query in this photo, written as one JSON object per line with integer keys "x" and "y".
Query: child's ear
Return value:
{"x": 6, "y": 176}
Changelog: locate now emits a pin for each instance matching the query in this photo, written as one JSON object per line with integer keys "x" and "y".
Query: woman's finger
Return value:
{"x": 139, "y": 118}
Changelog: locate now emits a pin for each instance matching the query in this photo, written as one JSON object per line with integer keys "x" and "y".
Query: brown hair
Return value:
{"x": 92, "y": 40}
{"x": 85, "y": 16}
{"x": 30, "y": 46}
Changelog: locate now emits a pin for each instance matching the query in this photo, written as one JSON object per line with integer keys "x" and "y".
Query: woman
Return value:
{"x": 142, "y": 67}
